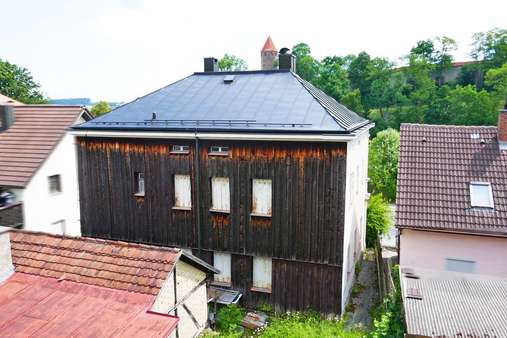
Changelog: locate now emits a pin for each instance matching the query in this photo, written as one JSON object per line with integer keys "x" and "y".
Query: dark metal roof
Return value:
{"x": 437, "y": 164}
{"x": 256, "y": 101}
{"x": 451, "y": 304}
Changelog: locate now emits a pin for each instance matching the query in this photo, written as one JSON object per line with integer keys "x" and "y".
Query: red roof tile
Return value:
{"x": 269, "y": 46}
{"x": 36, "y": 131}
{"x": 118, "y": 265}
{"x": 34, "y": 306}
{"x": 437, "y": 164}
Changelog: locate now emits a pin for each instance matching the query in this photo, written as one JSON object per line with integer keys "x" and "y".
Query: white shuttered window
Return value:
{"x": 220, "y": 195}
{"x": 261, "y": 197}
{"x": 222, "y": 261}
{"x": 182, "y": 191}
{"x": 262, "y": 273}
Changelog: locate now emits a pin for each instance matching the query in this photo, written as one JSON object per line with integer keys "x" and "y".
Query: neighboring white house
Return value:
{"x": 38, "y": 174}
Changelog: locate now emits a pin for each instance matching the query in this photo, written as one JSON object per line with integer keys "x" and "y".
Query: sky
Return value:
{"x": 118, "y": 50}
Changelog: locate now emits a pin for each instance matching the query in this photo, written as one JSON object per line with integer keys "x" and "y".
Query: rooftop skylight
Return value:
{"x": 481, "y": 195}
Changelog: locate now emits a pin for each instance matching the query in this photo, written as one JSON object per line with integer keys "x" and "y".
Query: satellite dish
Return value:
{"x": 284, "y": 50}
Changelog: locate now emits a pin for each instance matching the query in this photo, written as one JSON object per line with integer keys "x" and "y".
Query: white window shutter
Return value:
{"x": 220, "y": 193}
{"x": 222, "y": 261}
{"x": 182, "y": 191}
{"x": 261, "y": 197}
{"x": 262, "y": 268}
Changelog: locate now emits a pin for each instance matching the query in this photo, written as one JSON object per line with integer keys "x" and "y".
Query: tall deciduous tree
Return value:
{"x": 232, "y": 63}
{"x": 306, "y": 66}
{"x": 100, "y": 108}
{"x": 17, "y": 83}
{"x": 383, "y": 163}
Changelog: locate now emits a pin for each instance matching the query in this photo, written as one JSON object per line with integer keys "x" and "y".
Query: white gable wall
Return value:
{"x": 41, "y": 208}
{"x": 354, "y": 233}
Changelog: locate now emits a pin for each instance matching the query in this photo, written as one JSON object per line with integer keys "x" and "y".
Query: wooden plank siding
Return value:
{"x": 308, "y": 203}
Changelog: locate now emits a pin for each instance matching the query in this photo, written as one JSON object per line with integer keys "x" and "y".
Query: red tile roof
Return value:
{"x": 117, "y": 265}
{"x": 437, "y": 164}
{"x": 36, "y": 131}
{"x": 269, "y": 46}
{"x": 35, "y": 306}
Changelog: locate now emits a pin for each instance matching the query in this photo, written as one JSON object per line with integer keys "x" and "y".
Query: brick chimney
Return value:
{"x": 6, "y": 117}
{"x": 502, "y": 128}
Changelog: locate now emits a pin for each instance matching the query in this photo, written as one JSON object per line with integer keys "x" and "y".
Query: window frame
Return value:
{"x": 213, "y": 207}
{"x": 256, "y": 213}
{"x": 459, "y": 260}
{"x": 58, "y": 189}
{"x": 137, "y": 180}
{"x": 218, "y": 151}
{"x": 222, "y": 281}
{"x": 181, "y": 149}
{"x": 490, "y": 195}
{"x": 260, "y": 288}
{"x": 182, "y": 207}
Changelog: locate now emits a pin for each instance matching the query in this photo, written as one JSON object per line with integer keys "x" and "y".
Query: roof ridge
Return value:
{"x": 97, "y": 240}
{"x": 307, "y": 84}
{"x": 445, "y": 125}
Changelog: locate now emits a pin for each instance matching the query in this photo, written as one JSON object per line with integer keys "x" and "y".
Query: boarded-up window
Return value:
{"x": 222, "y": 261}
{"x": 182, "y": 191}
{"x": 139, "y": 178}
{"x": 262, "y": 273}
{"x": 220, "y": 195}
{"x": 261, "y": 197}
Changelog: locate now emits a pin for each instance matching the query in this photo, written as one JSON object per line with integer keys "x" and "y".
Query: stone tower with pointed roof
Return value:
{"x": 268, "y": 54}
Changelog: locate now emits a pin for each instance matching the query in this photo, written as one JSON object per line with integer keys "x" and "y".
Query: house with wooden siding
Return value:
{"x": 38, "y": 167}
{"x": 259, "y": 173}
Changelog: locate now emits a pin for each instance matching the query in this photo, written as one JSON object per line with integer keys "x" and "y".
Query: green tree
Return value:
{"x": 332, "y": 77}
{"x": 100, "y": 108}
{"x": 378, "y": 219}
{"x": 490, "y": 48}
{"x": 435, "y": 52}
{"x": 467, "y": 106}
{"x": 383, "y": 163}
{"x": 232, "y": 63}
{"x": 352, "y": 100}
{"x": 359, "y": 75}
{"x": 496, "y": 81}
{"x": 17, "y": 83}
{"x": 306, "y": 65}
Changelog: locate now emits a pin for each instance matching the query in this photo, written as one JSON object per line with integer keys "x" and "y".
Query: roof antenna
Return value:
{"x": 154, "y": 116}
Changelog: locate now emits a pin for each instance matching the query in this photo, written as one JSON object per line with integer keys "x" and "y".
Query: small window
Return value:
{"x": 182, "y": 192}
{"x": 220, "y": 195}
{"x": 262, "y": 267}
{"x": 55, "y": 184}
{"x": 459, "y": 265}
{"x": 58, "y": 227}
{"x": 180, "y": 149}
{"x": 261, "y": 197}
{"x": 481, "y": 195}
{"x": 139, "y": 177}
{"x": 222, "y": 261}
{"x": 218, "y": 150}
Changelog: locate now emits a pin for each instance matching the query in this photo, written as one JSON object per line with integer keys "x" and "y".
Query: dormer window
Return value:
{"x": 219, "y": 150}
{"x": 481, "y": 195}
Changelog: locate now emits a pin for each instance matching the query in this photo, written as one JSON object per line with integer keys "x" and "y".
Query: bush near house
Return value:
{"x": 378, "y": 218}
{"x": 383, "y": 158}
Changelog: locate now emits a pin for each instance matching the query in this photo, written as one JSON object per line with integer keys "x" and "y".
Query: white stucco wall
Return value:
{"x": 40, "y": 207}
{"x": 429, "y": 250}
{"x": 354, "y": 234}
{"x": 187, "y": 277}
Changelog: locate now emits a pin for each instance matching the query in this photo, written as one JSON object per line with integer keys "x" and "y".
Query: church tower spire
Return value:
{"x": 268, "y": 54}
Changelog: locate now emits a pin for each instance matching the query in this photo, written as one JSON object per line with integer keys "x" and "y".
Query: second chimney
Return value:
{"x": 210, "y": 65}
{"x": 502, "y": 128}
{"x": 6, "y": 117}
{"x": 286, "y": 60}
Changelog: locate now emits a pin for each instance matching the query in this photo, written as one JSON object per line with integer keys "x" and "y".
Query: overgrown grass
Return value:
{"x": 308, "y": 325}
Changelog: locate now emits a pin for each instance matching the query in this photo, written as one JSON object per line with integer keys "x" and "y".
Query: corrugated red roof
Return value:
{"x": 269, "y": 46}
{"x": 35, "y": 306}
{"x": 36, "y": 131}
{"x": 437, "y": 164}
{"x": 117, "y": 265}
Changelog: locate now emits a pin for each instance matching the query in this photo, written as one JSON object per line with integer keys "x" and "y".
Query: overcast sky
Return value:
{"x": 118, "y": 50}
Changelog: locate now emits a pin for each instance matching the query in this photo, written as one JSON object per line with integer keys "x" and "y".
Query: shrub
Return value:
{"x": 228, "y": 318}
{"x": 388, "y": 321}
{"x": 383, "y": 163}
{"x": 378, "y": 218}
